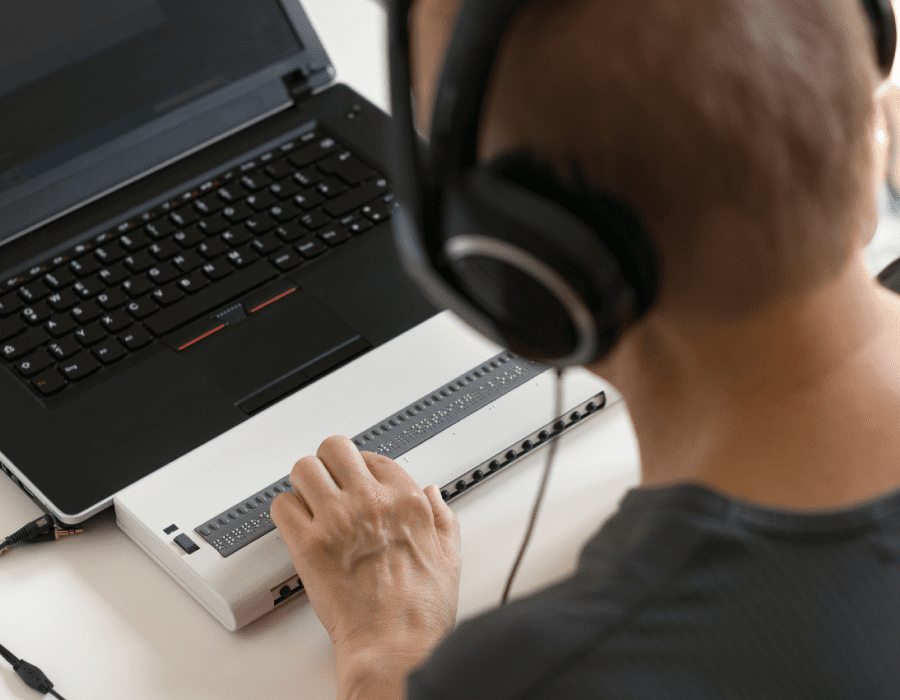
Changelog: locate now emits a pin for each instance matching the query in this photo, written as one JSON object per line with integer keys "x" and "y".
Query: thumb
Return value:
{"x": 444, "y": 518}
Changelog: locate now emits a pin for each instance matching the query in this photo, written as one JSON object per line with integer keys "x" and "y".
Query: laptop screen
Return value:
{"x": 75, "y": 75}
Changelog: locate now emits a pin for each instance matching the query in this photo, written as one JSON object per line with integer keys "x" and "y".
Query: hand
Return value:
{"x": 377, "y": 555}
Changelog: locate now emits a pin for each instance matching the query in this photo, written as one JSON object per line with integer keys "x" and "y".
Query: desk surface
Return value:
{"x": 104, "y": 621}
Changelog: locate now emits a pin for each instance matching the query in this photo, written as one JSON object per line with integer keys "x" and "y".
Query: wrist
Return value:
{"x": 379, "y": 670}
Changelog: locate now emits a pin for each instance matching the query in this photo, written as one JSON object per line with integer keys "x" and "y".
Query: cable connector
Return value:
{"x": 42, "y": 529}
{"x": 33, "y": 676}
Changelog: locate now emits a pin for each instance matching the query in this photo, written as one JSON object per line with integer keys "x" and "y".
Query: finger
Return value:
{"x": 313, "y": 483}
{"x": 444, "y": 517}
{"x": 343, "y": 461}
{"x": 290, "y": 514}
{"x": 386, "y": 470}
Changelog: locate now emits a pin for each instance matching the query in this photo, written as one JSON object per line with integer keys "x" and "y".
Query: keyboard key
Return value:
{"x": 279, "y": 169}
{"x": 356, "y": 197}
{"x": 347, "y": 167}
{"x": 11, "y": 327}
{"x": 90, "y": 334}
{"x": 159, "y": 229}
{"x": 86, "y": 312}
{"x": 315, "y": 219}
{"x": 114, "y": 275}
{"x": 284, "y": 188}
{"x": 308, "y": 199}
{"x": 261, "y": 201}
{"x": 286, "y": 259}
{"x": 194, "y": 282}
{"x": 376, "y": 212}
{"x": 217, "y": 269}
{"x": 79, "y": 367}
{"x": 109, "y": 351}
{"x": 36, "y": 271}
{"x": 168, "y": 295}
{"x": 116, "y": 321}
{"x": 143, "y": 307}
{"x": 284, "y": 212}
{"x": 133, "y": 242}
{"x": 211, "y": 298}
{"x": 242, "y": 256}
{"x": 331, "y": 187}
{"x": 255, "y": 180}
{"x": 23, "y": 344}
{"x": 310, "y": 247}
{"x": 59, "y": 326}
{"x": 360, "y": 226}
{"x": 34, "y": 363}
{"x": 140, "y": 261}
{"x": 13, "y": 282}
{"x": 49, "y": 382}
{"x": 212, "y": 225}
{"x": 290, "y": 232}
{"x": 112, "y": 298}
{"x": 189, "y": 237}
{"x": 236, "y": 237}
{"x": 33, "y": 291}
{"x": 9, "y": 304}
{"x": 135, "y": 338}
{"x": 187, "y": 261}
{"x": 89, "y": 287}
{"x": 184, "y": 216}
{"x": 266, "y": 244}
{"x": 163, "y": 250}
{"x": 237, "y": 213}
{"x": 306, "y": 155}
{"x": 208, "y": 204}
{"x": 108, "y": 254}
{"x": 36, "y": 314}
{"x": 309, "y": 176}
{"x": 335, "y": 236}
{"x": 64, "y": 348}
{"x": 58, "y": 279}
{"x": 137, "y": 286}
{"x": 212, "y": 248}
{"x": 260, "y": 223}
{"x": 162, "y": 273}
{"x": 58, "y": 260}
{"x": 232, "y": 192}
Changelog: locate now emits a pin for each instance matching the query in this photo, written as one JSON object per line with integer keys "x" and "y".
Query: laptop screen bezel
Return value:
{"x": 165, "y": 140}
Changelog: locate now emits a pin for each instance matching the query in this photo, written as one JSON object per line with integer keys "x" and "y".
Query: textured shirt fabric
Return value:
{"x": 685, "y": 593}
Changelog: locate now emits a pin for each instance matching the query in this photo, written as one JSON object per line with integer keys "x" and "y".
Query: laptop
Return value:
{"x": 198, "y": 284}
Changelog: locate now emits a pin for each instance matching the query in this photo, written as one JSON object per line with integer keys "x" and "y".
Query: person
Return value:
{"x": 760, "y": 555}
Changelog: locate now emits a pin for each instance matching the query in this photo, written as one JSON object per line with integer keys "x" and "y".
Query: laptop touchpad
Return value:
{"x": 268, "y": 347}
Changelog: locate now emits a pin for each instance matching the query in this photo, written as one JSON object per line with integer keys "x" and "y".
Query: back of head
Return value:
{"x": 739, "y": 129}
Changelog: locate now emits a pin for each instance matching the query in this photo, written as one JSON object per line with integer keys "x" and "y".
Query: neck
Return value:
{"x": 792, "y": 407}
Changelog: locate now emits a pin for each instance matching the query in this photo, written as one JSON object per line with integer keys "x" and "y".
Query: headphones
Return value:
{"x": 546, "y": 265}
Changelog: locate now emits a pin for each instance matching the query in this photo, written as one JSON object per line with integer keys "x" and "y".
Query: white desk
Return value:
{"x": 103, "y": 621}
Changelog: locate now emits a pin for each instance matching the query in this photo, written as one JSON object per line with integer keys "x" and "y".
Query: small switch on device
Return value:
{"x": 186, "y": 543}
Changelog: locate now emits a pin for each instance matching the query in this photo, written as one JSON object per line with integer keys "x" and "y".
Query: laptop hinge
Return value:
{"x": 307, "y": 79}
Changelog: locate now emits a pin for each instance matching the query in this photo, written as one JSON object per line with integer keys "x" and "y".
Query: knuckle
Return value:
{"x": 331, "y": 444}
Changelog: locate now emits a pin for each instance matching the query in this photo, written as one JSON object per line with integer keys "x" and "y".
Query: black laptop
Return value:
{"x": 193, "y": 225}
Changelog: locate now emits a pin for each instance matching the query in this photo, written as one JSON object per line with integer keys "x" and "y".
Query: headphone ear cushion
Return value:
{"x": 613, "y": 219}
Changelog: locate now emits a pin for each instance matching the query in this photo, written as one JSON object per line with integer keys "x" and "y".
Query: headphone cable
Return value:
{"x": 540, "y": 494}
{"x": 31, "y": 674}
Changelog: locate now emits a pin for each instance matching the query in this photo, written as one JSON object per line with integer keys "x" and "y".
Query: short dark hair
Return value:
{"x": 740, "y": 129}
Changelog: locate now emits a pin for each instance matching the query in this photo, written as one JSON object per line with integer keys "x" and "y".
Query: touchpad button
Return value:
{"x": 268, "y": 345}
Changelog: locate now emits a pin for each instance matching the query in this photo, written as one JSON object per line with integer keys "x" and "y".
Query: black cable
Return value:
{"x": 540, "y": 494}
{"x": 42, "y": 529}
{"x": 29, "y": 673}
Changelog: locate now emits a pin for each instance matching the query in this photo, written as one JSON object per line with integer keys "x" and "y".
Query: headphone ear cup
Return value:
{"x": 608, "y": 216}
{"x": 511, "y": 249}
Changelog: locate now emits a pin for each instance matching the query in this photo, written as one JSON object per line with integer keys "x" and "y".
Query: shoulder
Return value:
{"x": 508, "y": 652}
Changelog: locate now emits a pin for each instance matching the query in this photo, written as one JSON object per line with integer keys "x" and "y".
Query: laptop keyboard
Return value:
{"x": 69, "y": 317}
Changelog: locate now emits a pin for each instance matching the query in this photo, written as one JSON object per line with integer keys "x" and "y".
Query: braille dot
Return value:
{"x": 576, "y": 416}
{"x": 511, "y": 455}
{"x": 543, "y": 435}
{"x": 494, "y": 466}
{"x": 445, "y": 494}
{"x": 527, "y": 445}
{"x": 478, "y": 475}
{"x": 591, "y": 407}
{"x": 461, "y": 485}
{"x": 559, "y": 425}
